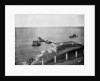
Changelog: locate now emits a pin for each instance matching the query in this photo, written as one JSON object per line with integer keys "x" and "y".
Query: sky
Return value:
{"x": 48, "y": 20}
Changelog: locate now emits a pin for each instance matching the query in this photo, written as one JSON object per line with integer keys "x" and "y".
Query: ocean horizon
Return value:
{"x": 24, "y": 37}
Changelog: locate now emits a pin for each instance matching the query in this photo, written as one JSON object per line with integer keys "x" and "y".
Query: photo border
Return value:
{"x": 42, "y": 76}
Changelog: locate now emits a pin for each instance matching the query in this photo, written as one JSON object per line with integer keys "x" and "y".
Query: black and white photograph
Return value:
{"x": 49, "y": 39}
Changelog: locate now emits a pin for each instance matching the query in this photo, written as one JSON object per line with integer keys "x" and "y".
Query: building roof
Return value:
{"x": 61, "y": 48}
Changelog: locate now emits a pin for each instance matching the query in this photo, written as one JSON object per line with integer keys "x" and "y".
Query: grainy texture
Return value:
{"x": 25, "y": 36}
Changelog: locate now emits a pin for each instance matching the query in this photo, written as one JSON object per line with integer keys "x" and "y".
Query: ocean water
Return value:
{"x": 24, "y": 37}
